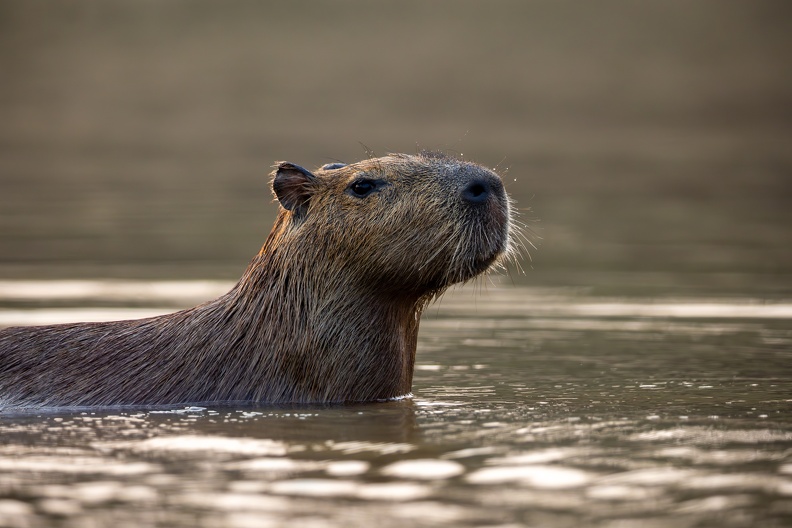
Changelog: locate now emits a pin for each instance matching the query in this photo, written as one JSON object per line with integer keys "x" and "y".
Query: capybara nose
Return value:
{"x": 477, "y": 191}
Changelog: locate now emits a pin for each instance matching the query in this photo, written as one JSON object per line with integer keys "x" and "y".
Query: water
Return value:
{"x": 531, "y": 407}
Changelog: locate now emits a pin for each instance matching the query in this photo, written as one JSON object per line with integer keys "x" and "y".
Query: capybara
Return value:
{"x": 328, "y": 311}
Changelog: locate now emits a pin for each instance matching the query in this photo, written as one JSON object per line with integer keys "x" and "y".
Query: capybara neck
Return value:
{"x": 365, "y": 336}
{"x": 328, "y": 311}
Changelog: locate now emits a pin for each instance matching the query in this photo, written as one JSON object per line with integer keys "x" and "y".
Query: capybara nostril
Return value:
{"x": 476, "y": 191}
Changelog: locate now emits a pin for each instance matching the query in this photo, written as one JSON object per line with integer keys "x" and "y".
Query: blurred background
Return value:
{"x": 648, "y": 144}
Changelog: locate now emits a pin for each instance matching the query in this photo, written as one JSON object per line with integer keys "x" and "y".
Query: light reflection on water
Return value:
{"x": 528, "y": 410}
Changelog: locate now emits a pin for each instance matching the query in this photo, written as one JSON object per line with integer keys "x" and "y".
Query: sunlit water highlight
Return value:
{"x": 531, "y": 408}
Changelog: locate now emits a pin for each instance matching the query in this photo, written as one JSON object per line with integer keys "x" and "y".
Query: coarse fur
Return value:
{"x": 328, "y": 311}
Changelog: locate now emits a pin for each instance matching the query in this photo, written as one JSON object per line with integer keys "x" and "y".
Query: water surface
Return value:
{"x": 531, "y": 407}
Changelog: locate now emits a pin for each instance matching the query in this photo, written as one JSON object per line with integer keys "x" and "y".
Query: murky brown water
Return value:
{"x": 638, "y": 374}
{"x": 532, "y": 407}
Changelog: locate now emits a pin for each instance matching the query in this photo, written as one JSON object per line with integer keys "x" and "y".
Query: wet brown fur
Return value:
{"x": 328, "y": 311}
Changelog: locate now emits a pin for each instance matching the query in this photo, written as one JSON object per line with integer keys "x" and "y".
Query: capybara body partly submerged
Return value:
{"x": 328, "y": 311}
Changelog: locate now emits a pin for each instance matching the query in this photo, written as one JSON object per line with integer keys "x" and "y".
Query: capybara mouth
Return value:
{"x": 492, "y": 241}
{"x": 478, "y": 263}
{"x": 485, "y": 263}
{"x": 482, "y": 264}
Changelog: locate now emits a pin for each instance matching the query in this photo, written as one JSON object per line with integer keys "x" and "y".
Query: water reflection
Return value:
{"x": 558, "y": 416}
{"x": 595, "y": 470}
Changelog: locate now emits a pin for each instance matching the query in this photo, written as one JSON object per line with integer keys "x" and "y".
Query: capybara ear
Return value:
{"x": 293, "y": 186}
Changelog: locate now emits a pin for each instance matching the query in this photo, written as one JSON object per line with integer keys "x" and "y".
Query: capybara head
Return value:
{"x": 402, "y": 223}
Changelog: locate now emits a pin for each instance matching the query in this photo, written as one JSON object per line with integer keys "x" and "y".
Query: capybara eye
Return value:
{"x": 362, "y": 188}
